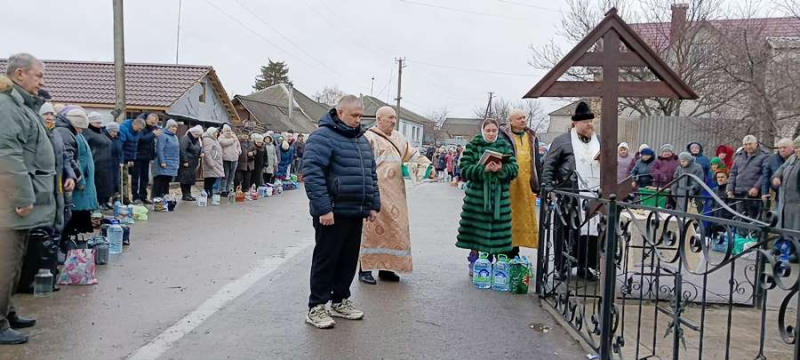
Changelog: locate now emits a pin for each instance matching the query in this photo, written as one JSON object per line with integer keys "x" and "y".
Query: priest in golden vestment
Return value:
{"x": 524, "y": 225}
{"x": 386, "y": 242}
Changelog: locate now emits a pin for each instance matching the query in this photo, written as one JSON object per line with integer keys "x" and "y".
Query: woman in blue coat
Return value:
{"x": 287, "y": 156}
{"x": 168, "y": 155}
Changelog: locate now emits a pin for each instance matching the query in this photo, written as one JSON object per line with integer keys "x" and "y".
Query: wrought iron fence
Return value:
{"x": 641, "y": 282}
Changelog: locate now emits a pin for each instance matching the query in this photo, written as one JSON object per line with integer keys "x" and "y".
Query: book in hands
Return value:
{"x": 491, "y": 156}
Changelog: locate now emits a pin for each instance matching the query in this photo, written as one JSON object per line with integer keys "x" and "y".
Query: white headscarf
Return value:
{"x": 483, "y": 125}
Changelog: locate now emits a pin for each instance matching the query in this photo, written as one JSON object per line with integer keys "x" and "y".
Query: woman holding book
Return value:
{"x": 489, "y": 166}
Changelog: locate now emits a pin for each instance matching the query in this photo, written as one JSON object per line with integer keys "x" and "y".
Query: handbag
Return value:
{"x": 79, "y": 268}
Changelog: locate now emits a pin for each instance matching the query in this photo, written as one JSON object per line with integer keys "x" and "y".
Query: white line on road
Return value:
{"x": 154, "y": 349}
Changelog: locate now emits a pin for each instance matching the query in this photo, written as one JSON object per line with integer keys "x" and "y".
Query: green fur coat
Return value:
{"x": 486, "y": 215}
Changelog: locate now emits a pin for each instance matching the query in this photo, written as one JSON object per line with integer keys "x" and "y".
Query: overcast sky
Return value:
{"x": 324, "y": 42}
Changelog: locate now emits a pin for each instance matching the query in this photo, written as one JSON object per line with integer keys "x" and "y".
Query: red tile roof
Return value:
{"x": 657, "y": 34}
{"x": 148, "y": 85}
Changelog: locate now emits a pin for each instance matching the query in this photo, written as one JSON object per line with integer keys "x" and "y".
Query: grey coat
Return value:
{"x": 687, "y": 186}
{"x": 748, "y": 171}
{"x": 789, "y": 195}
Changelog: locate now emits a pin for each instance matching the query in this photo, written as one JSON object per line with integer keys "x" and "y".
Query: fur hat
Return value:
{"x": 76, "y": 116}
{"x": 197, "y": 130}
{"x": 686, "y": 156}
{"x": 648, "y": 151}
{"x": 171, "y": 123}
{"x": 643, "y": 146}
{"x": 112, "y": 126}
{"x": 211, "y": 131}
{"x": 47, "y": 108}
{"x": 95, "y": 118}
{"x": 257, "y": 138}
{"x": 226, "y": 128}
{"x": 623, "y": 145}
{"x": 667, "y": 147}
{"x": 582, "y": 112}
{"x": 285, "y": 145}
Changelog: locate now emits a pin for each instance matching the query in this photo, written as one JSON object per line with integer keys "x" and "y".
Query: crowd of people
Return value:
{"x": 60, "y": 165}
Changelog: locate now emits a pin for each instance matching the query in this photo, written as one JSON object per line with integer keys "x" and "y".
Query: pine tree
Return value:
{"x": 276, "y": 72}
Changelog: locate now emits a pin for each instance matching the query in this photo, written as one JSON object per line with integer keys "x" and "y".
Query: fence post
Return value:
{"x": 608, "y": 281}
{"x": 541, "y": 258}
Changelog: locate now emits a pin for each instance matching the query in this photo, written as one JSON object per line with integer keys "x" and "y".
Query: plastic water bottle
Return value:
{"x": 202, "y": 199}
{"x": 482, "y": 272}
{"x": 43, "y": 284}
{"x": 117, "y": 208}
{"x": 115, "y": 234}
{"x": 500, "y": 273}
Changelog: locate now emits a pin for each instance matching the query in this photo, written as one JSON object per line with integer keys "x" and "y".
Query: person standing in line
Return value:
{"x": 191, "y": 152}
{"x": 285, "y": 165}
{"x": 28, "y": 175}
{"x": 748, "y": 177}
{"x": 257, "y": 175}
{"x": 246, "y": 162}
{"x": 342, "y": 188}
{"x": 773, "y": 163}
{"x": 270, "y": 159}
{"x": 231, "y": 149}
{"x": 117, "y": 158}
{"x": 787, "y": 177}
{"x": 213, "y": 165}
{"x": 168, "y": 157}
{"x": 523, "y": 190}
{"x": 129, "y": 133}
{"x": 624, "y": 159}
{"x": 102, "y": 148}
{"x": 145, "y": 153}
{"x": 687, "y": 189}
{"x": 641, "y": 172}
{"x": 450, "y": 163}
{"x": 299, "y": 149}
{"x": 73, "y": 121}
{"x": 696, "y": 149}
{"x": 725, "y": 153}
{"x": 663, "y": 169}
{"x": 386, "y": 243}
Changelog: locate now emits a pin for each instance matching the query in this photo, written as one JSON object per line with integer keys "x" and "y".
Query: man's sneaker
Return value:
{"x": 318, "y": 317}
{"x": 346, "y": 310}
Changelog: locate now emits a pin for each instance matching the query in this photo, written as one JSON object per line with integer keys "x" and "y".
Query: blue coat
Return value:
{"x": 168, "y": 151}
{"x": 340, "y": 171}
{"x": 286, "y": 159}
{"x": 770, "y": 167}
{"x": 129, "y": 140}
{"x": 85, "y": 195}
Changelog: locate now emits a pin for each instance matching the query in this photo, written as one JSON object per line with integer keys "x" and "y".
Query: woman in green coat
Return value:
{"x": 486, "y": 215}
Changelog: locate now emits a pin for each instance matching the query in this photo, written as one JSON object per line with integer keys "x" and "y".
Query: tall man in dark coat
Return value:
{"x": 565, "y": 168}
{"x": 145, "y": 153}
{"x": 342, "y": 187}
{"x": 102, "y": 150}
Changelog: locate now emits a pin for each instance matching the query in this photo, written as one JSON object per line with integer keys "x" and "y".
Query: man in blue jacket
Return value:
{"x": 342, "y": 188}
{"x": 145, "y": 153}
{"x": 129, "y": 134}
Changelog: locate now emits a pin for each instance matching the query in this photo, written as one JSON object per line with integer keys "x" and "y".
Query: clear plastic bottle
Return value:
{"x": 43, "y": 284}
{"x": 117, "y": 208}
{"x": 202, "y": 200}
{"x": 500, "y": 273}
{"x": 115, "y": 234}
{"x": 482, "y": 272}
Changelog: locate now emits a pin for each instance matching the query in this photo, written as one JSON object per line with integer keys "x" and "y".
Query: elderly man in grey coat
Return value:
{"x": 788, "y": 178}
{"x": 748, "y": 176}
{"x": 28, "y": 177}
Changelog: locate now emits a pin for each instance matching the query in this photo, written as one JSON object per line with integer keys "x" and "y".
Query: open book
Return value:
{"x": 490, "y": 156}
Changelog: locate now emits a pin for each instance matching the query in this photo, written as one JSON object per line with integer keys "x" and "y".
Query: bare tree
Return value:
{"x": 434, "y": 127}
{"x": 329, "y": 95}
{"x": 501, "y": 108}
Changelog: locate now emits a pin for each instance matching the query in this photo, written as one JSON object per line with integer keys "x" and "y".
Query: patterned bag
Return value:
{"x": 79, "y": 268}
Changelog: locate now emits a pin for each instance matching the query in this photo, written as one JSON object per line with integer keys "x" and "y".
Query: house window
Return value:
{"x": 203, "y": 92}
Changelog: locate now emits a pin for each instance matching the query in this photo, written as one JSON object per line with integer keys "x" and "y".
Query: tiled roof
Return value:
{"x": 270, "y": 107}
{"x": 657, "y": 34}
{"x": 148, "y": 85}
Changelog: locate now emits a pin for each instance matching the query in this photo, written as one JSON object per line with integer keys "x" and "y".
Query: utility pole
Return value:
{"x": 400, "y": 67}
{"x": 372, "y": 86}
{"x": 488, "y": 106}
{"x": 291, "y": 101}
{"x": 119, "y": 61}
{"x": 178, "y": 41}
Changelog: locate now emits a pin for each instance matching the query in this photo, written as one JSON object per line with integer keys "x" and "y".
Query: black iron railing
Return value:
{"x": 641, "y": 282}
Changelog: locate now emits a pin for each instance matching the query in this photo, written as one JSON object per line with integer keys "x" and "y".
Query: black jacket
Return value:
{"x": 146, "y": 149}
{"x": 340, "y": 171}
{"x": 190, "y": 153}
{"x": 559, "y": 164}
{"x": 104, "y": 163}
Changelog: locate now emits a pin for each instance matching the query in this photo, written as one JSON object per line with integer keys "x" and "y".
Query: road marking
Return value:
{"x": 158, "y": 346}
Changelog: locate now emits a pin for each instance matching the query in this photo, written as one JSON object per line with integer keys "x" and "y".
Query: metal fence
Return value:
{"x": 643, "y": 282}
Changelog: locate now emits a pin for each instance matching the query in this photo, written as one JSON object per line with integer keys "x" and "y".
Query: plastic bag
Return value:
{"x": 140, "y": 212}
{"x": 520, "y": 277}
{"x": 79, "y": 268}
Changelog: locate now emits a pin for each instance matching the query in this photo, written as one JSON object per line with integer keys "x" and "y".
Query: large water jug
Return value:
{"x": 202, "y": 199}
{"x": 115, "y": 234}
{"x": 500, "y": 273}
{"x": 482, "y": 272}
{"x": 43, "y": 284}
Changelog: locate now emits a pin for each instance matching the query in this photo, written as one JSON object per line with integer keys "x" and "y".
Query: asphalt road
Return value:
{"x": 231, "y": 282}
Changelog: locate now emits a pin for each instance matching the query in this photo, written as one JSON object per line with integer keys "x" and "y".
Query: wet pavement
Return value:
{"x": 231, "y": 282}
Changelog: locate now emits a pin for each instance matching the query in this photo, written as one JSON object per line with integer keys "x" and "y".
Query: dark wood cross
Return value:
{"x": 613, "y": 32}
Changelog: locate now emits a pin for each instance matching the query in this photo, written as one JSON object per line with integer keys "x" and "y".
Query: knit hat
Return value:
{"x": 257, "y": 138}
{"x": 171, "y": 123}
{"x": 667, "y": 147}
{"x": 47, "y": 108}
{"x": 95, "y": 118}
{"x": 226, "y": 127}
{"x": 211, "y": 130}
{"x": 112, "y": 126}
{"x": 797, "y": 142}
{"x": 685, "y": 156}
{"x": 648, "y": 151}
{"x": 285, "y": 146}
{"x": 582, "y": 112}
{"x": 643, "y": 146}
{"x": 197, "y": 130}
{"x": 76, "y": 116}
{"x": 717, "y": 161}
{"x": 623, "y": 145}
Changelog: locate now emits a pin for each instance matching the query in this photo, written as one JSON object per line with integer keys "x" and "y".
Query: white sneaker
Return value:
{"x": 318, "y": 317}
{"x": 346, "y": 310}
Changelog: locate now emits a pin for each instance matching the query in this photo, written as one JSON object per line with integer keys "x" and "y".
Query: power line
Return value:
{"x": 529, "y": 6}
{"x": 471, "y": 70}
{"x": 249, "y": 28}
{"x": 285, "y": 37}
{"x": 472, "y": 12}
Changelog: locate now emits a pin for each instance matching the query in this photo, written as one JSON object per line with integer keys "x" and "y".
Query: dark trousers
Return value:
{"x": 335, "y": 260}
{"x": 243, "y": 180}
{"x": 748, "y": 205}
{"x": 161, "y": 185}
{"x": 140, "y": 173}
{"x": 13, "y": 244}
{"x": 186, "y": 190}
{"x": 208, "y": 186}
{"x": 585, "y": 249}
{"x": 267, "y": 178}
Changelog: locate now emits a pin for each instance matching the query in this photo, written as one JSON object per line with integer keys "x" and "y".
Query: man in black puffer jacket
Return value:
{"x": 342, "y": 187}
